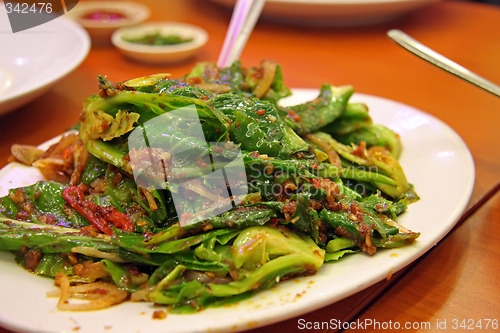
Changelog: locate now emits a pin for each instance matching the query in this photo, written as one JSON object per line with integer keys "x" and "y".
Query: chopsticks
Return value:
{"x": 243, "y": 19}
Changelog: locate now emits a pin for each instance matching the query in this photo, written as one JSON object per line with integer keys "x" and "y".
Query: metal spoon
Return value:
{"x": 440, "y": 61}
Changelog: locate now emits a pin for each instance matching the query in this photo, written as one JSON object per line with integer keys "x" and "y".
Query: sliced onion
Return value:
{"x": 99, "y": 295}
{"x": 25, "y": 154}
{"x": 269, "y": 69}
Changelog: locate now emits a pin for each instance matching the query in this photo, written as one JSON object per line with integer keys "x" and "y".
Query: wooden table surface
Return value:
{"x": 457, "y": 282}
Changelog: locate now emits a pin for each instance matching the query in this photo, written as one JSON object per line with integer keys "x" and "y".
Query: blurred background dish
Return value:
{"x": 160, "y": 42}
{"x": 102, "y": 18}
{"x": 336, "y": 12}
{"x": 33, "y": 60}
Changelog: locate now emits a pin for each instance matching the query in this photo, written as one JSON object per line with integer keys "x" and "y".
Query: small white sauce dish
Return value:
{"x": 102, "y": 18}
{"x": 160, "y": 54}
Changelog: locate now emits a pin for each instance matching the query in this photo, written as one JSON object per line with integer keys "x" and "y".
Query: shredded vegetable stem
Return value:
{"x": 96, "y": 295}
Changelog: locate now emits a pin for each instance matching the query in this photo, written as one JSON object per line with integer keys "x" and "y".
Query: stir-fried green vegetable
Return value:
{"x": 207, "y": 189}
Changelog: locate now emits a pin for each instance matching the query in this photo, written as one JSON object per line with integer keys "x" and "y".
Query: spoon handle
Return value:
{"x": 440, "y": 61}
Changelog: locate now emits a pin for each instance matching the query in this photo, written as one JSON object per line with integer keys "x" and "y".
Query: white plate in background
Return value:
{"x": 33, "y": 60}
{"x": 336, "y": 12}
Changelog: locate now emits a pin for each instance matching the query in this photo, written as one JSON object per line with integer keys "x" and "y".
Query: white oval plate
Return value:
{"x": 33, "y": 60}
{"x": 435, "y": 160}
{"x": 336, "y": 12}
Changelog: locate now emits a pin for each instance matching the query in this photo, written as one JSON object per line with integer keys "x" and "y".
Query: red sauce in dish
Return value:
{"x": 103, "y": 16}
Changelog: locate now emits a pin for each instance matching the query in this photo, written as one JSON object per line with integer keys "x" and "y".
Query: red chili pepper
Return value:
{"x": 120, "y": 220}
{"x": 316, "y": 182}
{"x": 97, "y": 215}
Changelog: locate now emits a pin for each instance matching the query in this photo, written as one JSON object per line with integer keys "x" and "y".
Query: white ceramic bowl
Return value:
{"x": 131, "y": 13}
{"x": 160, "y": 54}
